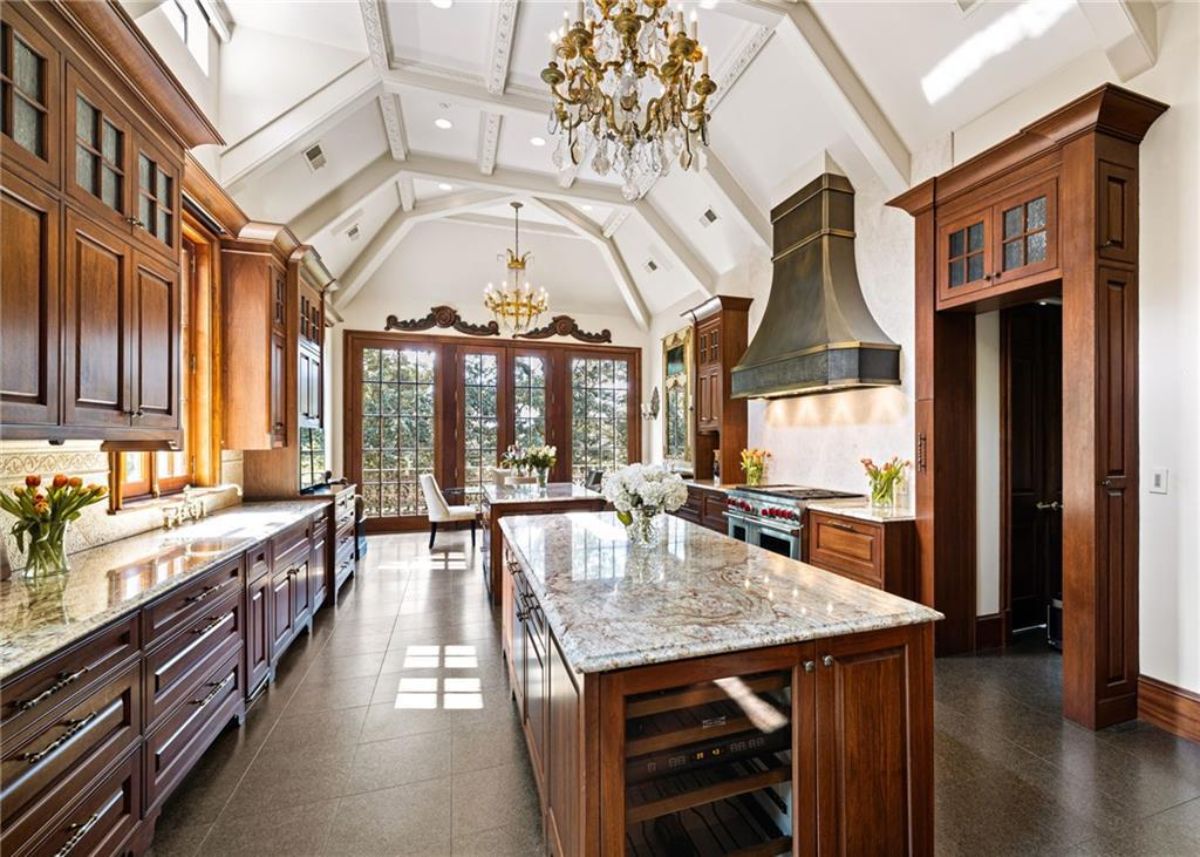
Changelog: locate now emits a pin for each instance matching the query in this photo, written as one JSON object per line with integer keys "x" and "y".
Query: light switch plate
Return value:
{"x": 1158, "y": 481}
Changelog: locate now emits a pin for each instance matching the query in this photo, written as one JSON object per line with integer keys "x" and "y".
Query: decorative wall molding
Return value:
{"x": 393, "y": 123}
{"x": 739, "y": 62}
{"x": 447, "y": 317}
{"x": 442, "y": 316}
{"x": 564, "y": 325}
{"x": 372, "y": 16}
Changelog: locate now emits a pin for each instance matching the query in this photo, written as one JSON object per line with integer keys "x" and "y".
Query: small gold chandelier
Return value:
{"x": 515, "y": 306}
{"x": 630, "y": 84}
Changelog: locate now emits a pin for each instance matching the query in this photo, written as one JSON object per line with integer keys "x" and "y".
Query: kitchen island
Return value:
{"x": 705, "y": 696}
{"x": 526, "y": 499}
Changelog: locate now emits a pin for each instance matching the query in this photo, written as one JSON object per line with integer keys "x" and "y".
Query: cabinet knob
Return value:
{"x": 827, "y": 660}
{"x": 809, "y": 666}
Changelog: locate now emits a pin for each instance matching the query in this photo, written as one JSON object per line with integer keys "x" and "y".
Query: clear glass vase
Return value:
{"x": 645, "y": 528}
{"x": 46, "y": 555}
{"x": 543, "y": 476}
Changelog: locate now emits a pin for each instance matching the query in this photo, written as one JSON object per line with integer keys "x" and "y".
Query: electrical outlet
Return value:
{"x": 1158, "y": 480}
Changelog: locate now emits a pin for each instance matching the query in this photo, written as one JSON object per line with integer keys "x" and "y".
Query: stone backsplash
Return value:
{"x": 95, "y": 526}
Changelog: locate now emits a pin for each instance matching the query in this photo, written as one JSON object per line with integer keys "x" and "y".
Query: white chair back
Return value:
{"x": 500, "y": 475}
{"x": 435, "y": 502}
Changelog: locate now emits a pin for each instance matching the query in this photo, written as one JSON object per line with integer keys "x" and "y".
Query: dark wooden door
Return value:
{"x": 317, "y": 567}
{"x": 96, "y": 326}
{"x": 300, "y": 593}
{"x": 29, "y": 294}
{"x": 1031, "y": 441}
{"x": 280, "y": 610}
{"x": 872, "y": 776}
{"x": 563, "y": 816}
{"x": 258, "y": 630}
{"x": 154, "y": 345}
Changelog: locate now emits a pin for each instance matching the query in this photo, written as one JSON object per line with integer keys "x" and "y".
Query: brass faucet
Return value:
{"x": 191, "y": 508}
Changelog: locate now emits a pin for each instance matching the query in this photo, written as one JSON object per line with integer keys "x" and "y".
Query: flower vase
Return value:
{"x": 644, "y": 527}
{"x": 47, "y": 555}
{"x": 754, "y": 476}
{"x": 883, "y": 496}
{"x": 543, "y": 476}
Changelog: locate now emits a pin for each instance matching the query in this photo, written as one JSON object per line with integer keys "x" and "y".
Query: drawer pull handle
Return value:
{"x": 64, "y": 679}
{"x": 201, "y": 595}
{"x": 838, "y": 525}
{"x": 213, "y": 621}
{"x": 217, "y": 687}
{"x": 74, "y": 727}
{"x": 809, "y": 666}
{"x": 827, "y": 660}
{"x": 81, "y": 830}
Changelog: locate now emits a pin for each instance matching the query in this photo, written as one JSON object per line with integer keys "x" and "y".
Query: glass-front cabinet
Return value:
{"x": 28, "y": 88}
{"x": 997, "y": 246}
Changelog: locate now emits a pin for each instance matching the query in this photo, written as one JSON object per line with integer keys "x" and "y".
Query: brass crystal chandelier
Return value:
{"x": 630, "y": 85}
{"x": 515, "y": 305}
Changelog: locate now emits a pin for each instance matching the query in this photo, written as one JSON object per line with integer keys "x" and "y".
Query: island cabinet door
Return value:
{"x": 874, "y": 741}
{"x": 710, "y": 756}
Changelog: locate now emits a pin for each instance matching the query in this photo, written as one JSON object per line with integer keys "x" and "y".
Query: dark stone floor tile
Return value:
{"x": 288, "y": 777}
{"x": 297, "y": 830}
{"x": 316, "y": 731}
{"x": 178, "y": 841}
{"x": 411, "y": 759}
{"x": 385, "y": 721}
{"x": 322, "y": 693}
{"x": 406, "y": 820}
{"x": 493, "y": 797}
{"x": 521, "y": 838}
{"x": 476, "y": 746}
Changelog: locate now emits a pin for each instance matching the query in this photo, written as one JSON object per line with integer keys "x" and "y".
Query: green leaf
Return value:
{"x": 625, "y": 518}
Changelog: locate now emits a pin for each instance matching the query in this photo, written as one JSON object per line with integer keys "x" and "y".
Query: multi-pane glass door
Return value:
{"x": 398, "y": 419}
{"x": 600, "y": 419}
{"x": 529, "y": 399}
{"x": 481, "y": 410}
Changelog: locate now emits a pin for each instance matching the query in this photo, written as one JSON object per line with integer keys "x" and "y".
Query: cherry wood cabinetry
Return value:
{"x": 705, "y": 506}
{"x": 92, "y": 139}
{"x": 1058, "y": 202}
{"x": 876, "y": 553}
{"x": 318, "y": 561}
{"x": 852, "y": 768}
{"x": 258, "y": 617}
{"x": 721, "y": 336}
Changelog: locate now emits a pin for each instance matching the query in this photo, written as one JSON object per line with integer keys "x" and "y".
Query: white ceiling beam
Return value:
{"x": 1128, "y": 32}
{"x": 372, "y": 18}
{"x": 678, "y": 247}
{"x": 616, "y": 219}
{"x": 738, "y": 61}
{"x": 510, "y": 180}
{"x": 466, "y": 93}
{"x": 348, "y": 195}
{"x": 823, "y": 65}
{"x": 567, "y": 175}
{"x": 388, "y": 238}
{"x": 298, "y": 127}
{"x": 504, "y": 26}
{"x": 489, "y": 142}
{"x": 608, "y": 251}
{"x": 503, "y": 223}
{"x": 408, "y": 194}
{"x": 393, "y": 124}
{"x": 718, "y": 178}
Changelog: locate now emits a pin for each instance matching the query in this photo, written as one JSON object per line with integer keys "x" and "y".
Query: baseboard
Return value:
{"x": 1169, "y": 707}
{"x": 989, "y": 631}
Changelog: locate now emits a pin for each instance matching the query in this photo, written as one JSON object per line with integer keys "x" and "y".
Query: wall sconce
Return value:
{"x": 650, "y": 409}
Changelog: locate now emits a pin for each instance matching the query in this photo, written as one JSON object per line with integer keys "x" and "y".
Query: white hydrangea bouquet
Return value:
{"x": 642, "y": 492}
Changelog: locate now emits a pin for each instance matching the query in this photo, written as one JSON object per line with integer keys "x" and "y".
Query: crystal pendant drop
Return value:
{"x": 629, "y": 190}
{"x": 552, "y": 121}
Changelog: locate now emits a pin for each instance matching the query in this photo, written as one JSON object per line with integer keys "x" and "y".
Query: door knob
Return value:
{"x": 827, "y": 660}
{"x": 809, "y": 666}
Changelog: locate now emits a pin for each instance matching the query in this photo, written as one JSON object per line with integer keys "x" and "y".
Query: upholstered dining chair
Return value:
{"x": 441, "y": 512}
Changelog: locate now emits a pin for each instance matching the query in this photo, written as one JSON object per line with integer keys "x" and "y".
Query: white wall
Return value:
{"x": 987, "y": 463}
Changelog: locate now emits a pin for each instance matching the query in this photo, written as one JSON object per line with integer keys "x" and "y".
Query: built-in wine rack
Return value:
{"x": 708, "y": 769}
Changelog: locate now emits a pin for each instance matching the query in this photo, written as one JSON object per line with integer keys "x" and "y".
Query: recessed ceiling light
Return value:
{"x": 445, "y": 186}
{"x": 538, "y": 141}
{"x": 442, "y": 4}
{"x": 443, "y": 123}
{"x": 586, "y": 207}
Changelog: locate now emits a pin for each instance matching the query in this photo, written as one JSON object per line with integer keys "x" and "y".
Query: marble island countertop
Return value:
{"x": 858, "y": 507}
{"x": 37, "y": 618}
{"x": 533, "y": 493}
{"x": 694, "y": 594}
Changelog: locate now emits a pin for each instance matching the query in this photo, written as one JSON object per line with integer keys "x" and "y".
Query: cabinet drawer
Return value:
{"x": 39, "y": 692}
{"x": 345, "y": 534}
{"x": 292, "y": 539}
{"x": 102, "y": 821}
{"x": 184, "y": 734}
{"x": 183, "y": 605}
{"x": 175, "y": 669}
{"x": 713, "y": 511}
{"x": 343, "y": 508}
{"x": 850, "y": 547}
{"x": 45, "y": 770}
{"x": 258, "y": 562}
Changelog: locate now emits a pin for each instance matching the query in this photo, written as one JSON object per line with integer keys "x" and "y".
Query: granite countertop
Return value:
{"x": 861, "y": 509}
{"x": 708, "y": 484}
{"x": 533, "y": 493}
{"x": 696, "y": 593}
{"x": 37, "y": 618}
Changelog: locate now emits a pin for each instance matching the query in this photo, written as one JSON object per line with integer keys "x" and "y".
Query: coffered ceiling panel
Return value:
{"x": 456, "y": 39}
{"x": 423, "y": 111}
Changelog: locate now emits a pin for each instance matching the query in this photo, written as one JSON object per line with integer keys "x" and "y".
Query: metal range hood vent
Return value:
{"x": 817, "y": 335}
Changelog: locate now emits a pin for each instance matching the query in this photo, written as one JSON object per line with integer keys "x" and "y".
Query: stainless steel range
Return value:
{"x": 773, "y": 516}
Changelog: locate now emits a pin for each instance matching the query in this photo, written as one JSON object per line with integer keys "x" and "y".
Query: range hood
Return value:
{"x": 816, "y": 335}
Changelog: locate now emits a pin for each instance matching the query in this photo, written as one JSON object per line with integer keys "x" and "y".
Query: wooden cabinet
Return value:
{"x": 318, "y": 562}
{"x": 564, "y": 832}
{"x": 290, "y": 605}
{"x": 989, "y": 250}
{"x": 721, "y": 336}
{"x": 283, "y": 623}
{"x": 309, "y": 386}
{"x": 156, "y": 196}
{"x": 30, "y": 99}
{"x": 30, "y": 293}
{"x": 873, "y": 759}
{"x": 879, "y": 554}
{"x": 704, "y": 506}
{"x": 154, "y": 346}
{"x": 258, "y": 617}
{"x": 99, "y": 143}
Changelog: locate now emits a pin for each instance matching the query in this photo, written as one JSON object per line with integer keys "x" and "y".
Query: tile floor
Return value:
{"x": 390, "y": 732}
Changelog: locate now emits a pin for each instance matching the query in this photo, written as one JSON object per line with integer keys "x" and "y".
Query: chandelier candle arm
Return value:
{"x": 516, "y": 307}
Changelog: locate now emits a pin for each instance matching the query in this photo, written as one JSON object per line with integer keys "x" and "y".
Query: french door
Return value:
{"x": 481, "y": 433}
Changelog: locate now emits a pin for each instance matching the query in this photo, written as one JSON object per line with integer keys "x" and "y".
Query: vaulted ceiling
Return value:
{"x": 431, "y": 120}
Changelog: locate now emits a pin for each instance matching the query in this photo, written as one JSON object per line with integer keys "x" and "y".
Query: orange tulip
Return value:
{"x": 75, "y": 482}
{"x": 19, "y": 490}
{"x": 33, "y": 481}
{"x": 60, "y": 480}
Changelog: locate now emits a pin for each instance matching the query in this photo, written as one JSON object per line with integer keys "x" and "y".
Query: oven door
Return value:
{"x": 738, "y": 526}
{"x": 784, "y": 539}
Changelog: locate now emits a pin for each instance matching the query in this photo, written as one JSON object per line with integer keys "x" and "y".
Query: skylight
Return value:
{"x": 188, "y": 20}
{"x": 1030, "y": 20}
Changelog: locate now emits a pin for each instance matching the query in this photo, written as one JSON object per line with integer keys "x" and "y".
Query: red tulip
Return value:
{"x": 75, "y": 482}
{"x": 33, "y": 481}
{"x": 60, "y": 480}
